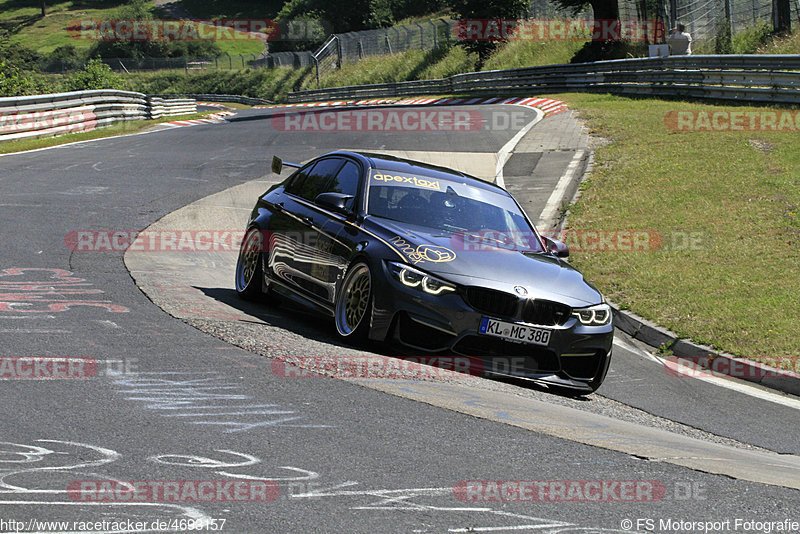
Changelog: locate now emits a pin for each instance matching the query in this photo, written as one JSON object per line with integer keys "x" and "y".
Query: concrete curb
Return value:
{"x": 690, "y": 359}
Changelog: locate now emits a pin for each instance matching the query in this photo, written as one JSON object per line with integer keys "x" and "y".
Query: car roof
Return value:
{"x": 386, "y": 162}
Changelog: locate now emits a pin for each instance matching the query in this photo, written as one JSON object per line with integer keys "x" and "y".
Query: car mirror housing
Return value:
{"x": 556, "y": 247}
{"x": 336, "y": 202}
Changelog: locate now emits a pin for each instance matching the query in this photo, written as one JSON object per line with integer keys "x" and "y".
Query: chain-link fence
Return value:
{"x": 227, "y": 62}
{"x": 702, "y": 19}
{"x": 353, "y": 46}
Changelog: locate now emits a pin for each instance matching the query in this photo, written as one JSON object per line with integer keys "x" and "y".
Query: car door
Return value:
{"x": 292, "y": 236}
{"x": 304, "y": 242}
{"x": 335, "y": 246}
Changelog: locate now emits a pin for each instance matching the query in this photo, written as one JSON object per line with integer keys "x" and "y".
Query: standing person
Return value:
{"x": 680, "y": 42}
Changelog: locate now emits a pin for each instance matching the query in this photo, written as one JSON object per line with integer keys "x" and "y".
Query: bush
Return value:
{"x": 600, "y": 50}
{"x": 13, "y": 82}
{"x": 722, "y": 40}
{"x": 749, "y": 40}
{"x": 95, "y": 75}
{"x": 19, "y": 55}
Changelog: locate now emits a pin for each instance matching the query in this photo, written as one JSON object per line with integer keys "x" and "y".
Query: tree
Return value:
{"x": 602, "y": 9}
{"x": 483, "y": 10}
{"x": 782, "y": 16}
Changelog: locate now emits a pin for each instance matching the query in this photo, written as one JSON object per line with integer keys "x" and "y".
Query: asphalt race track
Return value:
{"x": 185, "y": 393}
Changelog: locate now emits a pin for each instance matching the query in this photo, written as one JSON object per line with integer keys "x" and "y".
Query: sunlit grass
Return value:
{"x": 727, "y": 206}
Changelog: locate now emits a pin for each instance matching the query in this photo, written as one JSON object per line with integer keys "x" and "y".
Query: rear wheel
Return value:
{"x": 354, "y": 302}
{"x": 249, "y": 268}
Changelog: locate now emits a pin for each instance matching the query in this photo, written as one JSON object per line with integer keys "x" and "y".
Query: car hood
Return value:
{"x": 541, "y": 275}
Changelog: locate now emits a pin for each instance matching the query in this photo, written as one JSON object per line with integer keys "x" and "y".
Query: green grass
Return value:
{"x": 737, "y": 193}
{"x": 788, "y": 44}
{"x": 444, "y": 62}
{"x": 409, "y": 65}
{"x": 23, "y": 21}
{"x": 516, "y": 54}
{"x": 120, "y": 128}
{"x": 272, "y": 84}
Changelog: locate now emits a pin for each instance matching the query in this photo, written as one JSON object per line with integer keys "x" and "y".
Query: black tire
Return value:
{"x": 249, "y": 266}
{"x": 354, "y": 302}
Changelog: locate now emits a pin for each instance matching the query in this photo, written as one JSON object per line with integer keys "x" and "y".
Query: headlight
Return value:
{"x": 597, "y": 315}
{"x": 411, "y": 277}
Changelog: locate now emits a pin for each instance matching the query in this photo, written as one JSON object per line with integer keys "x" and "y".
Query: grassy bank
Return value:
{"x": 444, "y": 62}
{"x": 727, "y": 206}
{"x": 23, "y": 22}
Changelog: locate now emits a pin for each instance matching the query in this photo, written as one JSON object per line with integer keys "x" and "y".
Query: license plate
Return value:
{"x": 515, "y": 332}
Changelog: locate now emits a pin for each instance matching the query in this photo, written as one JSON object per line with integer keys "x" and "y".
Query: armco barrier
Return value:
{"x": 205, "y": 97}
{"x": 56, "y": 114}
{"x": 158, "y": 107}
{"x": 754, "y": 78}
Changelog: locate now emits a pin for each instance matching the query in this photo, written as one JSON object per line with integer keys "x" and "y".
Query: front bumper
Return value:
{"x": 576, "y": 357}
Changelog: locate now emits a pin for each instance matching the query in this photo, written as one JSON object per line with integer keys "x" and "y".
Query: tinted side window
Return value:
{"x": 316, "y": 181}
{"x": 298, "y": 178}
{"x": 346, "y": 181}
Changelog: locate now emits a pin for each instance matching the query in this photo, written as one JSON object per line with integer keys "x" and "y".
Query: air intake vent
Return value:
{"x": 545, "y": 313}
{"x": 492, "y": 302}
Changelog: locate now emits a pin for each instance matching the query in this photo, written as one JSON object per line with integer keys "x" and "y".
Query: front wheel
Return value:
{"x": 354, "y": 302}
{"x": 249, "y": 266}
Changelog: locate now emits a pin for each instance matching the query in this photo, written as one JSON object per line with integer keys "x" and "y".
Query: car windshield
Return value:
{"x": 476, "y": 215}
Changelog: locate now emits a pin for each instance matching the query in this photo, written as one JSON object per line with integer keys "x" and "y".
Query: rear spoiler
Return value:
{"x": 278, "y": 163}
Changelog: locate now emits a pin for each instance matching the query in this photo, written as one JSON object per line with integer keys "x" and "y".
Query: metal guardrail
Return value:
{"x": 159, "y": 107}
{"x": 56, "y": 114}
{"x": 205, "y": 97}
{"x": 757, "y": 78}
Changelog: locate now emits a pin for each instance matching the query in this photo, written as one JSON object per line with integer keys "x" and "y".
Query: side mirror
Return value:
{"x": 336, "y": 202}
{"x": 556, "y": 247}
{"x": 277, "y": 164}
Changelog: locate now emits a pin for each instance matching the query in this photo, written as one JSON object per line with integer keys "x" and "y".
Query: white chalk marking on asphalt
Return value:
{"x": 557, "y": 197}
{"x": 504, "y": 152}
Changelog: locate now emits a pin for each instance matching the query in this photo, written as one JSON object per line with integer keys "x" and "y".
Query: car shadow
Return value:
{"x": 284, "y": 314}
{"x": 319, "y": 328}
